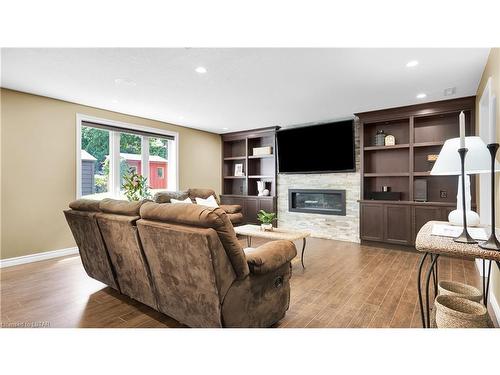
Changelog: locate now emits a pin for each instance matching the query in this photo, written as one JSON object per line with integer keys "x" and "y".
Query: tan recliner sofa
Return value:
{"x": 183, "y": 260}
{"x": 233, "y": 211}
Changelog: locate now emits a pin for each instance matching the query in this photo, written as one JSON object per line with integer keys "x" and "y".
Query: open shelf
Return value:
{"x": 398, "y": 174}
{"x": 399, "y": 128}
{"x": 261, "y": 156}
{"x": 428, "y": 144}
{"x": 237, "y": 148}
{"x": 235, "y": 158}
{"x": 379, "y": 148}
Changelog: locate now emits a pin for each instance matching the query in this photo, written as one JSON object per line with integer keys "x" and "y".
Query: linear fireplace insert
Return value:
{"x": 317, "y": 201}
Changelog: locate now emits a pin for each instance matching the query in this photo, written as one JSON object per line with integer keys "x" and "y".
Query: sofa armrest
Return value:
{"x": 270, "y": 256}
{"x": 231, "y": 208}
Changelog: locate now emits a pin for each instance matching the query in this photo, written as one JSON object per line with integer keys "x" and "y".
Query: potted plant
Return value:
{"x": 266, "y": 219}
{"x": 136, "y": 187}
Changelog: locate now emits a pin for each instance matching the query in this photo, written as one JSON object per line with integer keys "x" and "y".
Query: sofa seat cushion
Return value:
{"x": 120, "y": 207}
{"x": 206, "y": 217}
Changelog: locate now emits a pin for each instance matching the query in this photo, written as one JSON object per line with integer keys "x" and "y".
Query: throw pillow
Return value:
{"x": 175, "y": 201}
{"x": 209, "y": 202}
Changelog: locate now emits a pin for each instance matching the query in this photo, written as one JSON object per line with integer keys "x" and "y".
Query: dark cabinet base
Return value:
{"x": 397, "y": 223}
{"x": 251, "y": 205}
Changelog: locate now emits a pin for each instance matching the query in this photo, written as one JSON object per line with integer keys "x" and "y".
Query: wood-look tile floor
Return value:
{"x": 344, "y": 285}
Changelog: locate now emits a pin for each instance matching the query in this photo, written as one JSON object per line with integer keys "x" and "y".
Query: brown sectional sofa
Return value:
{"x": 183, "y": 260}
{"x": 233, "y": 211}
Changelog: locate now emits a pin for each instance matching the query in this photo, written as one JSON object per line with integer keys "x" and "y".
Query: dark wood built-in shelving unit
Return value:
{"x": 237, "y": 148}
{"x": 419, "y": 130}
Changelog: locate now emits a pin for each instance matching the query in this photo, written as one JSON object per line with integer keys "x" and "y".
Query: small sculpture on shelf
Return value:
{"x": 261, "y": 188}
{"x": 389, "y": 140}
{"x": 380, "y": 138}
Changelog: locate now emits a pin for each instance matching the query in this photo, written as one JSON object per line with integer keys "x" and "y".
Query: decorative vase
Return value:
{"x": 260, "y": 188}
{"x": 266, "y": 227}
{"x": 380, "y": 138}
{"x": 456, "y": 312}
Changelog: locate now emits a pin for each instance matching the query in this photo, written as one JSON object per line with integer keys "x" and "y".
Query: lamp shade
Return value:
{"x": 477, "y": 159}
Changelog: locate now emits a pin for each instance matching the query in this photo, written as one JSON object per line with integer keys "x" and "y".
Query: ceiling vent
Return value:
{"x": 450, "y": 91}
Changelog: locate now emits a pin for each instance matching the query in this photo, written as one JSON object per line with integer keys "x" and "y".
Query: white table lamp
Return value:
{"x": 477, "y": 161}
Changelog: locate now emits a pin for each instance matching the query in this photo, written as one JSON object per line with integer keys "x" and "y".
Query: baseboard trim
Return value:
{"x": 9, "y": 262}
{"x": 491, "y": 297}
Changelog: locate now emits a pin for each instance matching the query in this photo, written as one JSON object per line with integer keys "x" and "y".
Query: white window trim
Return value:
{"x": 173, "y": 152}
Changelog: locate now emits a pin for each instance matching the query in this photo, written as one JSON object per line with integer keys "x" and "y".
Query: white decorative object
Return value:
{"x": 209, "y": 202}
{"x": 461, "y": 119}
{"x": 476, "y": 161}
{"x": 238, "y": 170}
{"x": 258, "y": 151}
{"x": 493, "y": 116}
{"x": 265, "y": 192}
{"x": 177, "y": 201}
{"x": 261, "y": 187}
{"x": 454, "y": 231}
{"x": 266, "y": 227}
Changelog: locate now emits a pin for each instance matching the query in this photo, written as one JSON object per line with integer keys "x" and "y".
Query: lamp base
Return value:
{"x": 465, "y": 238}
{"x": 491, "y": 244}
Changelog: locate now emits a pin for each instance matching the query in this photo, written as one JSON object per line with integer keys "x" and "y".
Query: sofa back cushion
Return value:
{"x": 205, "y": 217}
{"x": 125, "y": 251}
{"x": 190, "y": 270}
{"x": 93, "y": 251}
{"x": 202, "y": 193}
{"x": 120, "y": 207}
{"x": 166, "y": 196}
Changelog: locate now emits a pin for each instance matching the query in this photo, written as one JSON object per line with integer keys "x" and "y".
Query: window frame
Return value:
{"x": 173, "y": 155}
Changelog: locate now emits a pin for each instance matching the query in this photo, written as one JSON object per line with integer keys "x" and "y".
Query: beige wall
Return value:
{"x": 38, "y": 148}
{"x": 492, "y": 70}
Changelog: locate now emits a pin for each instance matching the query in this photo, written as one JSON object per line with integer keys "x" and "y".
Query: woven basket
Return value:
{"x": 456, "y": 312}
{"x": 453, "y": 288}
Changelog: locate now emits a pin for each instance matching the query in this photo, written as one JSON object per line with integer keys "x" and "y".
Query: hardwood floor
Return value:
{"x": 344, "y": 285}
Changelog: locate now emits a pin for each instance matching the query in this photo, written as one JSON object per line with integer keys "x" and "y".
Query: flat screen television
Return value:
{"x": 317, "y": 148}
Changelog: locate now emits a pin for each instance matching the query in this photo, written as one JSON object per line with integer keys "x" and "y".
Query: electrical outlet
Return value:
{"x": 443, "y": 193}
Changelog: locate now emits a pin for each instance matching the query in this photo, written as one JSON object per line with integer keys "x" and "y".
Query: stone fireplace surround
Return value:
{"x": 343, "y": 228}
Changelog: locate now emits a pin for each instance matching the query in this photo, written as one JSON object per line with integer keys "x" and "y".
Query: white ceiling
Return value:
{"x": 243, "y": 88}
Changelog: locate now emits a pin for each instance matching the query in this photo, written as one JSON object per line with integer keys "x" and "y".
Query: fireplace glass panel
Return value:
{"x": 328, "y": 202}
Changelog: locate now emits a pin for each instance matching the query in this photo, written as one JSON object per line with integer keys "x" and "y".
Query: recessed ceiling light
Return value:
{"x": 125, "y": 82}
{"x": 115, "y": 101}
{"x": 412, "y": 64}
{"x": 181, "y": 117}
{"x": 421, "y": 96}
{"x": 201, "y": 70}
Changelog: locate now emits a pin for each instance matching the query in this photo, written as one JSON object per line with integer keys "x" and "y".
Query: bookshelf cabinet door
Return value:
{"x": 397, "y": 223}
{"x": 372, "y": 222}
{"x": 422, "y": 215}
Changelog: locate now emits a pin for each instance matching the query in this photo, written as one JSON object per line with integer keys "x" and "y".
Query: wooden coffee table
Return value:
{"x": 250, "y": 231}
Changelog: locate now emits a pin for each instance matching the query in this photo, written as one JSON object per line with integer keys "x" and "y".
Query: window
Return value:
{"x": 159, "y": 172}
{"x": 108, "y": 151}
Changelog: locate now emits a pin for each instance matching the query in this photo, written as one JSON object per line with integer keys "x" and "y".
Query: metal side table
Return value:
{"x": 434, "y": 246}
